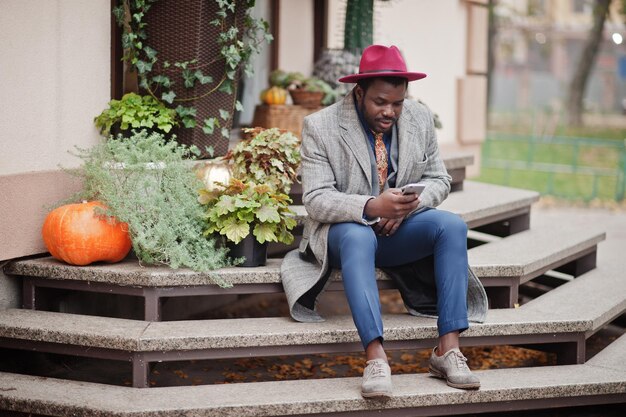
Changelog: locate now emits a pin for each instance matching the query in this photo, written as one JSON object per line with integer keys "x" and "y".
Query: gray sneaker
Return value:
{"x": 376, "y": 379}
{"x": 453, "y": 369}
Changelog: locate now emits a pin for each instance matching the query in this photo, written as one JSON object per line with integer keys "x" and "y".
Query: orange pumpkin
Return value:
{"x": 76, "y": 234}
{"x": 274, "y": 95}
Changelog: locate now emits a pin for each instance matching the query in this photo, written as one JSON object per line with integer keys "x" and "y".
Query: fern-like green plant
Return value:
{"x": 268, "y": 156}
{"x": 148, "y": 183}
{"x": 236, "y": 209}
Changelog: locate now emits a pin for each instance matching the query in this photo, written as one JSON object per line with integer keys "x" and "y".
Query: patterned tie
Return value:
{"x": 381, "y": 160}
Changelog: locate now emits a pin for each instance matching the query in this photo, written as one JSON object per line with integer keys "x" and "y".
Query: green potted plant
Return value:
{"x": 267, "y": 156}
{"x": 317, "y": 86}
{"x": 147, "y": 182}
{"x": 304, "y": 91}
{"x": 248, "y": 216}
{"x": 135, "y": 112}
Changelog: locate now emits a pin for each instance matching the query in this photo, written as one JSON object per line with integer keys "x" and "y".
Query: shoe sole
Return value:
{"x": 439, "y": 375}
{"x": 376, "y": 394}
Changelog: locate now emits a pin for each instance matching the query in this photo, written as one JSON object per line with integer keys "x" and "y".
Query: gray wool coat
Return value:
{"x": 337, "y": 182}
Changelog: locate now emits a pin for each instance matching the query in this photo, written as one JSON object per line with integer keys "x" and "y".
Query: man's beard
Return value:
{"x": 371, "y": 123}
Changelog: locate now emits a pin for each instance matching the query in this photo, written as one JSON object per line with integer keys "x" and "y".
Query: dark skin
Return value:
{"x": 381, "y": 106}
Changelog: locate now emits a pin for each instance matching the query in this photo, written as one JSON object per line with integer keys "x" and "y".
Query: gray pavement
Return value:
{"x": 611, "y": 218}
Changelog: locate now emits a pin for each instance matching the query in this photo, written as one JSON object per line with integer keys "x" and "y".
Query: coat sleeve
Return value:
{"x": 323, "y": 202}
{"x": 435, "y": 175}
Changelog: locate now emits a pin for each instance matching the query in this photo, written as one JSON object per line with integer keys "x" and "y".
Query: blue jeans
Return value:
{"x": 357, "y": 250}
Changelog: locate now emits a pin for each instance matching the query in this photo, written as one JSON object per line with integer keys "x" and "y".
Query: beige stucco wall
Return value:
{"x": 54, "y": 78}
{"x": 295, "y": 30}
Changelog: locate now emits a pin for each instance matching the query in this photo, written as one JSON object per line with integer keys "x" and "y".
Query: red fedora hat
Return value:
{"x": 382, "y": 61}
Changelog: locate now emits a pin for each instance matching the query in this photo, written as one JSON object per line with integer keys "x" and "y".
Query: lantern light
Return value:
{"x": 212, "y": 172}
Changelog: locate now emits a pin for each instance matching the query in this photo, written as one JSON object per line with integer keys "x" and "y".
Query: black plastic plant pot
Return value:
{"x": 255, "y": 253}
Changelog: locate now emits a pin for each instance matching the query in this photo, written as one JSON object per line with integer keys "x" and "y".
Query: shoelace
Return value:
{"x": 377, "y": 369}
{"x": 460, "y": 360}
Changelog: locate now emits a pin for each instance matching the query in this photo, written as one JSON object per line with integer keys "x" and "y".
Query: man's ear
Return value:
{"x": 358, "y": 91}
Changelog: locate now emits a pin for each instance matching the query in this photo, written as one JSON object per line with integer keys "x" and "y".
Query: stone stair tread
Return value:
{"x": 479, "y": 201}
{"x": 454, "y": 159}
{"x": 517, "y": 255}
{"x": 613, "y": 356}
{"x": 130, "y": 273}
{"x": 93, "y": 331}
{"x": 525, "y": 252}
{"x": 140, "y": 336}
{"x": 505, "y": 387}
{"x": 597, "y": 296}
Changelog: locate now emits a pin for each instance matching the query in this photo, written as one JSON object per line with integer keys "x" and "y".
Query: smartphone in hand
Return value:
{"x": 415, "y": 188}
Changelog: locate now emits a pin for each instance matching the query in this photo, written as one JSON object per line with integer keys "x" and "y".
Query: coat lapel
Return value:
{"x": 407, "y": 132}
{"x": 353, "y": 136}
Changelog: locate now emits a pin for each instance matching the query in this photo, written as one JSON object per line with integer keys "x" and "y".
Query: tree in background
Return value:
{"x": 585, "y": 63}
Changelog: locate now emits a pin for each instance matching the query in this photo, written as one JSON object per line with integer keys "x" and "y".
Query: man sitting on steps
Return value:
{"x": 356, "y": 155}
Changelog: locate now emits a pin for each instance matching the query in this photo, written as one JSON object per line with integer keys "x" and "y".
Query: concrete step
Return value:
{"x": 456, "y": 163}
{"x": 483, "y": 204}
{"x": 559, "y": 321}
{"x": 550, "y": 323}
{"x": 281, "y": 333}
{"x": 601, "y": 381}
{"x": 597, "y": 297}
{"x": 502, "y": 265}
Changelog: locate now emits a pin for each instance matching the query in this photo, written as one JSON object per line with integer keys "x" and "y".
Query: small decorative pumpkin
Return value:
{"x": 76, "y": 234}
{"x": 274, "y": 95}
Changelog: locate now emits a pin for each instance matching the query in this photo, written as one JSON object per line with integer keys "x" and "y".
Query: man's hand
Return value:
{"x": 391, "y": 204}
{"x": 387, "y": 227}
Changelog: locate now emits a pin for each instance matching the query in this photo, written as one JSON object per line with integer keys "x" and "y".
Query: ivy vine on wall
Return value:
{"x": 237, "y": 43}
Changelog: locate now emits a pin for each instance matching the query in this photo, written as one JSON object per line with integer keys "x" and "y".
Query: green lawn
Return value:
{"x": 543, "y": 123}
{"x": 577, "y": 167}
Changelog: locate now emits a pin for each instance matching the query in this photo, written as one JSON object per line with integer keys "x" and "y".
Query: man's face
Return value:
{"x": 381, "y": 104}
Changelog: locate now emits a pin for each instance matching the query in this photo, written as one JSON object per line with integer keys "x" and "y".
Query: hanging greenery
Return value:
{"x": 237, "y": 42}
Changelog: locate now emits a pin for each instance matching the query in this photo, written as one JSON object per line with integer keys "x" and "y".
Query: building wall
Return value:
{"x": 54, "y": 78}
{"x": 296, "y": 36}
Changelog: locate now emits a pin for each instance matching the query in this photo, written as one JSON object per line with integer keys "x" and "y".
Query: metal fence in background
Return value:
{"x": 569, "y": 167}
